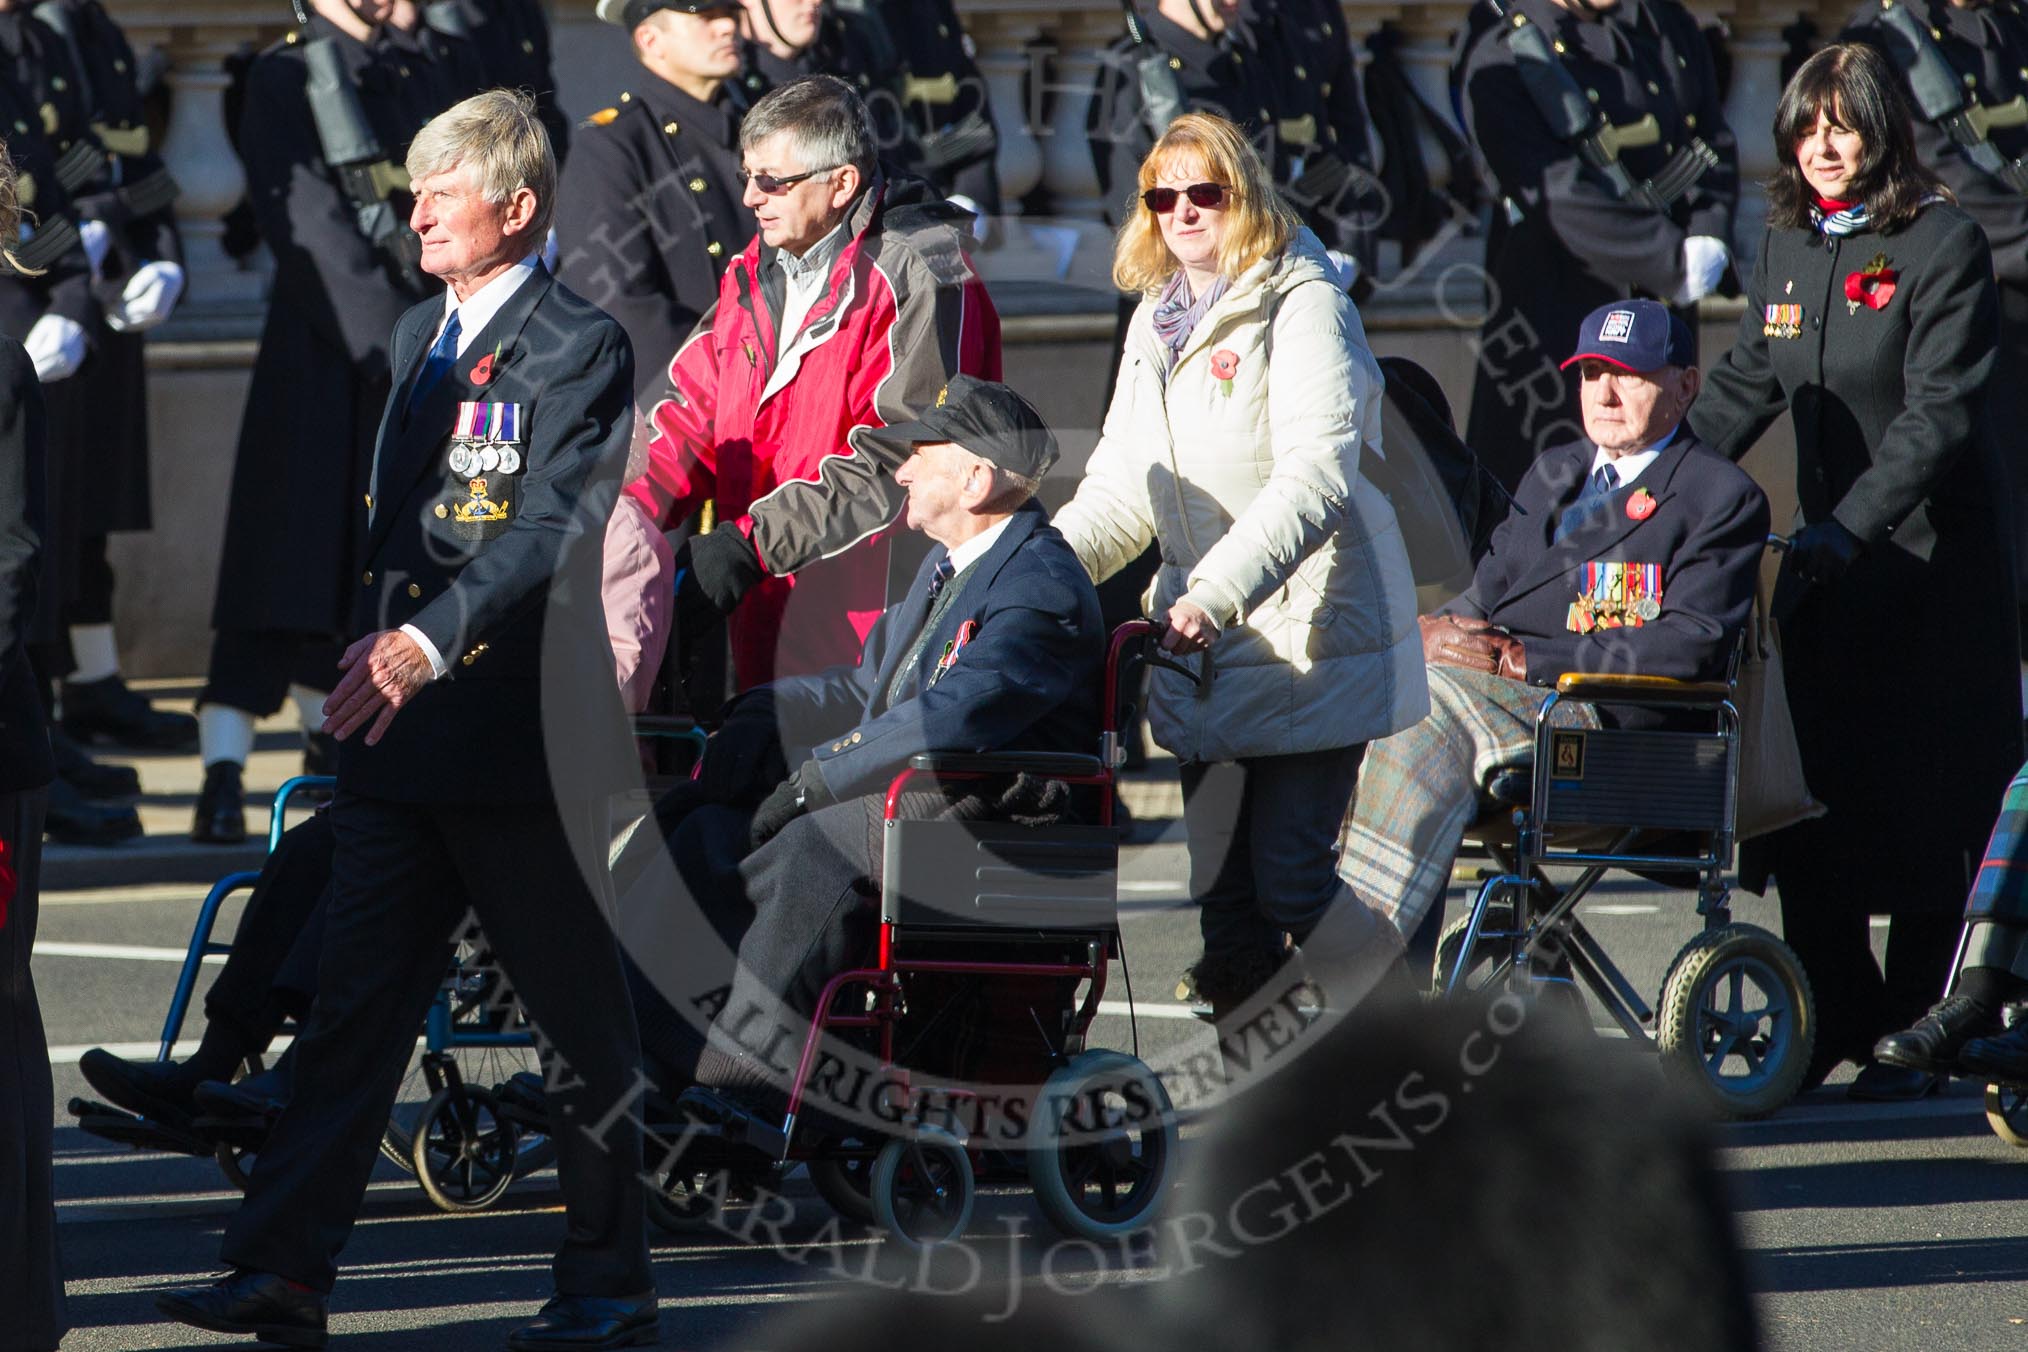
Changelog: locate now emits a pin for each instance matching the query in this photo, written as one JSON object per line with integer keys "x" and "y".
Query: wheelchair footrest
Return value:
{"x": 121, "y": 1127}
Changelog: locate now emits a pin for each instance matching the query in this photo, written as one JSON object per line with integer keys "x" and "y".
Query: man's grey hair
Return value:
{"x": 499, "y": 136}
{"x": 1010, "y": 490}
{"x": 826, "y": 122}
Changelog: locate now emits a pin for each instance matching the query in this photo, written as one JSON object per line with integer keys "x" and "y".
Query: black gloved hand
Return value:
{"x": 804, "y": 791}
{"x": 744, "y": 757}
{"x": 716, "y": 569}
{"x": 1823, "y": 550}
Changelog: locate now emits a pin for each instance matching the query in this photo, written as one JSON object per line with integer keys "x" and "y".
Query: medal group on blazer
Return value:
{"x": 486, "y": 449}
{"x": 1615, "y": 595}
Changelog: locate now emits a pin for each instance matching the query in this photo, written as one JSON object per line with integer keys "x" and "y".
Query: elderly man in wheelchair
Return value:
{"x": 996, "y": 647}
{"x": 1621, "y": 581}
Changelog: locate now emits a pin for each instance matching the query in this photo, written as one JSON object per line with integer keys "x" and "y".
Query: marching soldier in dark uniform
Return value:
{"x": 335, "y": 215}
{"x": 1601, "y": 126}
{"x": 513, "y": 45}
{"x": 140, "y": 281}
{"x": 907, "y": 60}
{"x": 649, "y": 214}
{"x": 47, "y": 127}
{"x": 1964, "y": 67}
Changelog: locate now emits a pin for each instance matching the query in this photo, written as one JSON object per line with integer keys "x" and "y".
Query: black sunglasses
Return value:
{"x": 773, "y": 186}
{"x": 1203, "y": 196}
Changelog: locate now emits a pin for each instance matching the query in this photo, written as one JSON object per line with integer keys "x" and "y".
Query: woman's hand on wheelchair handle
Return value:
{"x": 1190, "y": 630}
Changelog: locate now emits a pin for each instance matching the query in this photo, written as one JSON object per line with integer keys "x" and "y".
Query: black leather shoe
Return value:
{"x": 154, "y": 1089}
{"x": 2003, "y": 1057}
{"x": 1879, "y": 1083}
{"x": 108, "y": 711}
{"x": 221, "y": 806}
{"x": 1931, "y": 1046}
{"x": 75, "y": 820}
{"x": 521, "y": 1098}
{"x": 256, "y": 1303}
{"x": 89, "y": 777}
{"x": 581, "y": 1322}
{"x": 263, "y": 1095}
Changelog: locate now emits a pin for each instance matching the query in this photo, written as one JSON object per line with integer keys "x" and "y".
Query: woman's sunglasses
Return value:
{"x": 1203, "y": 196}
{"x": 775, "y": 187}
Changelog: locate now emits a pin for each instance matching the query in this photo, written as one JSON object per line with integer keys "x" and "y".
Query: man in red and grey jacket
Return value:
{"x": 850, "y": 311}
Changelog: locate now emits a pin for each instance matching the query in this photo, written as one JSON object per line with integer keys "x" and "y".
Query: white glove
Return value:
{"x": 149, "y": 297}
{"x": 1348, "y": 268}
{"x": 97, "y": 240}
{"x": 57, "y": 347}
{"x": 549, "y": 251}
{"x": 1704, "y": 261}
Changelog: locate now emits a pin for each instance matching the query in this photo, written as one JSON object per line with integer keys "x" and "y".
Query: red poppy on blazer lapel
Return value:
{"x": 1872, "y": 286}
{"x": 487, "y": 367}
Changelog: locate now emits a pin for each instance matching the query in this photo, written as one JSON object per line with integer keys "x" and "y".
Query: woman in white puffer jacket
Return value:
{"x": 1246, "y": 397}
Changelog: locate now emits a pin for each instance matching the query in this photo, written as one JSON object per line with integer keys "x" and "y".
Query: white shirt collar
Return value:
{"x": 1629, "y": 466}
{"x": 974, "y": 549}
{"x": 476, "y": 313}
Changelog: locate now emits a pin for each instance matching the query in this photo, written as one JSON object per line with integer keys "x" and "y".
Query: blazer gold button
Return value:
{"x": 466, "y": 659}
{"x": 368, "y": 577}
{"x": 1690, "y": 121}
{"x": 697, "y": 185}
{"x": 714, "y": 248}
{"x": 369, "y": 502}
{"x": 855, "y": 738}
{"x": 442, "y": 511}
{"x": 670, "y": 128}
{"x": 1654, "y": 88}
{"x": 414, "y": 590}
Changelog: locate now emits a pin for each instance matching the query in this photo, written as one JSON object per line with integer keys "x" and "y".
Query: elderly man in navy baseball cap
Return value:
{"x": 1631, "y": 549}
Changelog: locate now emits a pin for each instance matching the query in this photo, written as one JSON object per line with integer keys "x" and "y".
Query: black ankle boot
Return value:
{"x": 90, "y": 777}
{"x": 75, "y": 820}
{"x": 221, "y": 806}
{"x": 108, "y": 710}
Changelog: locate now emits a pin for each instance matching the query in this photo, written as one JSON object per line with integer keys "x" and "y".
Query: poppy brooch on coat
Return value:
{"x": 486, "y": 368}
{"x": 1872, "y": 286}
{"x": 1224, "y": 366}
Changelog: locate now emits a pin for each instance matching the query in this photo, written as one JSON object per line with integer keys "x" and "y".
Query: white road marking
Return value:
{"x": 1156, "y": 885}
{"x": 129, "y": 952}
{"x": 1620, "y": 908}
{"x": 1146, "y": 1011}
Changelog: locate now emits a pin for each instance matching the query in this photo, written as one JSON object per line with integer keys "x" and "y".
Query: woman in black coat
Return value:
{"x": 31, "y": 1286}
{"x": 1873, "y": 320}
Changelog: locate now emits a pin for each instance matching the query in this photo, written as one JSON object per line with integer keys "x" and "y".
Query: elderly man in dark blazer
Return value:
{"x": 1632, "y": 550}
{"x": 997, "y": 646}
{"x": 474, "y": 718}
{"x": 31, "y": 1287}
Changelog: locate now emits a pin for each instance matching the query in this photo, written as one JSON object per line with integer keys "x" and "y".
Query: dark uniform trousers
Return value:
{"x": 31, "y": 1283}
{"x": 402, "y": 876}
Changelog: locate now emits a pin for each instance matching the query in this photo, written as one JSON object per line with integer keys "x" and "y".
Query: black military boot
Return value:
{"x": 75, "y": 820}
{"x": 1932, "y": 1045}
{"x": 91, "y": 778}
{"x": 107, "y": 710}
{"x": 221, "y": 806}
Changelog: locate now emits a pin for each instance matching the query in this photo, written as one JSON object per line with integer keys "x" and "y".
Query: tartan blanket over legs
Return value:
{"x": 2000, "y": 892}
{"x": 1419, "y": 789}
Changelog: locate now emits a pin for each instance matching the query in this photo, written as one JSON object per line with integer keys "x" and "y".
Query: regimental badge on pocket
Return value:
{"x": 486, "y": 440}
{"x": 1783, "y": 321}
{"x": 1614, "y": 595}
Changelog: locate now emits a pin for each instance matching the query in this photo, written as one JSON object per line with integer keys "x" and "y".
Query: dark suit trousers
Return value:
{"x": 815, "y": 891}
{"x": 402, "y": 877}
{"x": 31, "y": 1281}
{"x": 283, "y": 906}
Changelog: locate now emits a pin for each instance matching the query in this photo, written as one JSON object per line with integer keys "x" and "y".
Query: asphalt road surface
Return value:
{"x": 1866, "y": 1227}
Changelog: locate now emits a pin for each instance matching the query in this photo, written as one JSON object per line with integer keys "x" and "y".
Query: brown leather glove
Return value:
{"x": 1458, "y": 641}
{"x": 1513, "y": 658}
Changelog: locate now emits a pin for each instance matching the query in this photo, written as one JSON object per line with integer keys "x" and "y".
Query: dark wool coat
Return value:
{"x": 1902, "y": 674}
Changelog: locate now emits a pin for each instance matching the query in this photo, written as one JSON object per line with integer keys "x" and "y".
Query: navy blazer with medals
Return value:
{"x": 500, "y": 566}
{"x": 1027, "y": 678}
{"x": 1707, "y": 531}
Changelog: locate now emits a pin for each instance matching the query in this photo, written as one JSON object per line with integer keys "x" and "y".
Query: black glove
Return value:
{"x": 716, "y": 569}
{"x": 1823, "y": 550}
{"x": 744, "y": 757}
{"x": 804, "y": 791}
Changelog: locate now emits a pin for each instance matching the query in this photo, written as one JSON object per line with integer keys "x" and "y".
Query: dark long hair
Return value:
{"x": 1854, "y": 84}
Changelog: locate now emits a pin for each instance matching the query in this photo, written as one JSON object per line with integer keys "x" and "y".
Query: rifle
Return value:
{"x": 367, "y": 177}
{"x": 1942, "y": 100}
{"x": 1572, "y": 118}
{"x": 1161, "y": 94}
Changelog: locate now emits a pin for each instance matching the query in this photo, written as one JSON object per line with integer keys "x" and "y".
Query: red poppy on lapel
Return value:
{"x": 1641, "y": 505}
{"x": 1872, "y": 286}
{"x": 485, "y": 368}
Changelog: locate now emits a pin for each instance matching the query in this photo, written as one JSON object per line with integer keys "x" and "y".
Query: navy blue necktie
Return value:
{"x": 944, "y": 573}
{"x": 438, "y": 364}
{"x": 1597, "y": 489}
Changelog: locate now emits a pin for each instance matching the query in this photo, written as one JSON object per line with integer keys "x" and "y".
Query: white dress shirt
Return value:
{"x": 1629, "y": 466}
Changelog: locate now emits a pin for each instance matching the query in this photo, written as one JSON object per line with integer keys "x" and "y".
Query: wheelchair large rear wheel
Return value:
{"x": 922, "y": 1188}
{"x": 2007, "y": 1113}
{"x": 465, "y": 1150}
{"x": 1101, "y": 1145}
{"x": 1737, "y": 1021}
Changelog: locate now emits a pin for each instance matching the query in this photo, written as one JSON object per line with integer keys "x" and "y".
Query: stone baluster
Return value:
{"x": 1078, "y": 38}
{"x": 1004, "y": 56}
{"x": 1757, "y": 47}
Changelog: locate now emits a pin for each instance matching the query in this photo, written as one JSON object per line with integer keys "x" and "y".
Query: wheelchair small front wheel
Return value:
{"x": 1101, "y": 1145}
{"x": 2007, "y": 1113}
{"x": 922, "y": 1188}
{"x": 465, "y": 1151}
{"x": 1738, "y": 1021}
